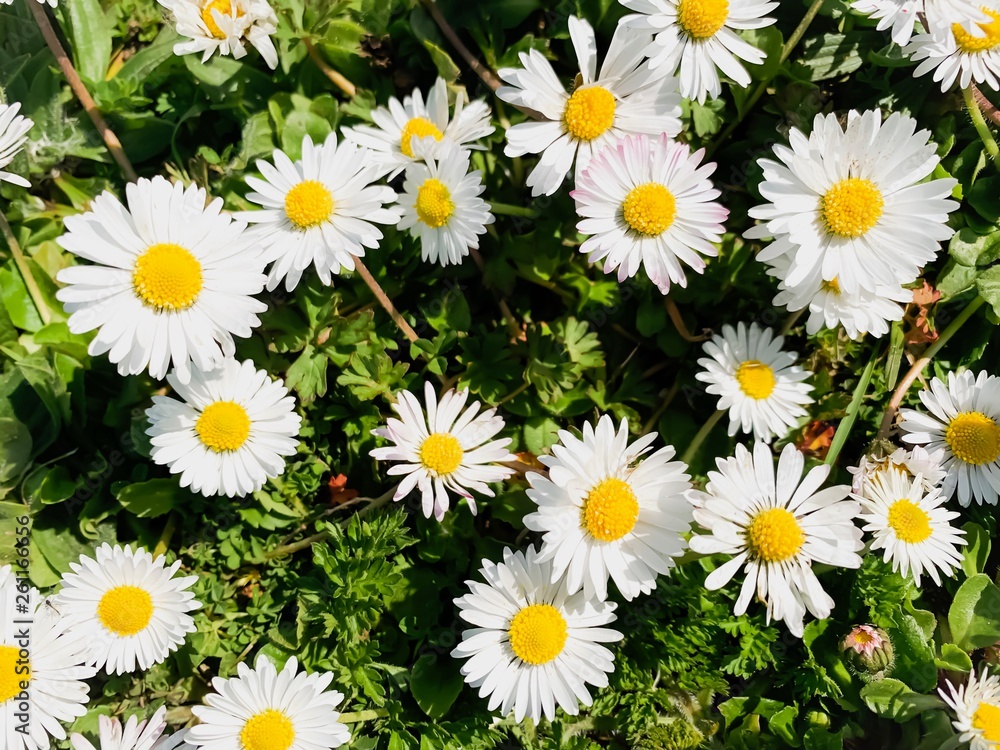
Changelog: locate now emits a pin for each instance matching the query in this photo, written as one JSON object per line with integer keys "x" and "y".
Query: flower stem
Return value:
{"x": 758, "y": 92}
{"x": 110, "y": 139}
{"x": 918, "y": 367}
{"x": 703, "y": 433}
{"x": 981, "y": 126}
{"x": 338, "y": 79}
{"x": 985, "y": 105}
{"x": 356, "y": 717}
{"x": 847, "y": 423}
{"x": 384, "y": 300}
{"x": 22, "y": 266}
{"x": 505, "y": 209}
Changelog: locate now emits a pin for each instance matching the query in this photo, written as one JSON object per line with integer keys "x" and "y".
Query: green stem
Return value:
{"x": 513, "y": 394}
{"x": 356, "y": 717}
{"x": 981, "y": 127}
{"x": 22, "y": 266}
{"x": 847, "y": 423}
{"x": 505, "y": 209}
{"x": 703, "y": 433}
{"x": 758, "y": 92}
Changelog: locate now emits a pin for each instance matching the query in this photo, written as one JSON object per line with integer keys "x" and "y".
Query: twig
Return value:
{"x": 485, "y": 74}
{"x": 110, "y": 139}
{"x": 22, "y": 265}
{"x": 678, "y": 321}
{"x": 985, "y": 105}
{"x": 338, "y": 79}
{"x": 384, "y": 300}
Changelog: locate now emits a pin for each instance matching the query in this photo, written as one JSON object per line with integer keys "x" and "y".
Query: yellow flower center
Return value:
{"x": 987, "y": 720}
{"x": 589, "y": 112}
{"x": 125, "y": 610}
{"x": 974, "y": 44}
{"x": 225, "y": 8}
{"x": 774, "y": 535}
{"x": 852, "y": 207}
{"x": 832, "y": 285}
{"x": 167, "y": 277}
{"x": 610, "y": 510}
{"x": 649, "y": 209}
{"x": 863, "y": 637}
{"x": 538, "y": 634}
{"x": 418, "y": 127}
{"x": 10, "y": 680}
{"x": 441, "y": 453}
{"x": 223, "y": 426}
{"x": 756, "y": 379}
{"x": 268, "y": 730}
{"x": 702, "y": 19}
{"x": 308, "y": 204}
{"x": 910, "y": 522}
{"x": 434, "y": 203}
{"x": 974, "y": 438}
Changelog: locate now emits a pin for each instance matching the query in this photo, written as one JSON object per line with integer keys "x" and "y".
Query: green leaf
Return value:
{"x": 988, "y": 284}
{"x": 892, "y": 699}
{"x": 90, "y": 32}
{"x": 15, "y": 449}
{"x": 970, "y": 248}
{"x": 152, "y": 498}
{"x": 540, "y": 433}
{"x": 49, "y": 485}
{"x": 144, "y": 63}
{"x": 977, "y": 549}
{"x": 974, "y": 616}
{"x": 834, "y": 55}
{"x": 914, "y": 654}
{"x": 955, "y": 279}
{"x": 953, "y": 659}
{"x": 435, "y": 684}
{"x": 782, "y": 725}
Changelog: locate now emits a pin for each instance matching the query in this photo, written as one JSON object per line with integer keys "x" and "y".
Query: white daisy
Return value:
{"x": 916, "y": 463}
{"x": 13, "y": 134}
{"x": 172, "y": 280}
{"x": 441, "y": 204}
{"x": 41, "y": 668}
{"x": 911, "y": 526}
{"x": 445, "y": 449}
{"x": 533, "y": 646}
{"x": 606, "y": 511}
{"x": 862, "y": 313}
{"x": 650, "y": 203}
{"x": 695, "y": 39}
{"x": 776, "y": 529}
{"x": 224, "y": 26}
{"x": 901, "y": 15}
{"x": 230, "y": 432}
{"x": 392, "y": 139}
{"x": 318, "y": 210}
{"x": 759, "y": 383}
{"x": 135, "y": 735}
{"x": 850, "y": 204}
{"x": 626, "y": 98}
{"x": 977, "y": 710}
{"x": 963, "y": 421}
{"x": 264, "y": 709}
{"x": 130, "y": 608}
{"x": 955, "y": 54}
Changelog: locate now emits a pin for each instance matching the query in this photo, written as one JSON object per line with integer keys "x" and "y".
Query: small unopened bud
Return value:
{"x": 867, "y": 651}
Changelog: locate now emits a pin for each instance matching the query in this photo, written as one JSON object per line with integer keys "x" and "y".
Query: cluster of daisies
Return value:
{"x": 123, "y": 610}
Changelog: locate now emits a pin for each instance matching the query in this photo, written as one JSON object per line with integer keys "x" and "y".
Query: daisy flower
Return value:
{"x": 263, "y": 709}
{"x": 398, "y": 127}
{"x": 13, "y": 134}
{"x": 776, "y": 528}
{"x": 695, "y": 39}
{"x": 901, "y": 15}
{"x": 955, "y": 54}
{"x": 441, "y": 204}
{"x": 230, "y": 432}
{"x": 850, "y": 204}
{"x": 318, "y": 210}
{"x": 130, "y": 608}
{"x": 862, "y": 313}
{"x": 650, "y": 203}
{"x": 977, "y": 710}
{"x": 446, "y": 449}
{"x": 911, "y": 526}
{"x": 172, "y": 282}
{"x": 533, "y": 645}
{"x": 759, "y": 383}
{"x": 45, "y": 684}
{"x": 135, "y": 735}
{"x": 607, "y": 510}
{"x": 963, "y": 423}
{"x": 224, "y": 26}
{"x": 626, "y": 98}
{"x": 915, "y": 463}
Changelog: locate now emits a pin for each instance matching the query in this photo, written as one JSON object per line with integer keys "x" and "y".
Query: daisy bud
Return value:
{"x": 867, "y": 652}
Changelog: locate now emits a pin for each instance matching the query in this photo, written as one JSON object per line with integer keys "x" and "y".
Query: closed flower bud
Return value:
{"x": 867, "y": 651}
